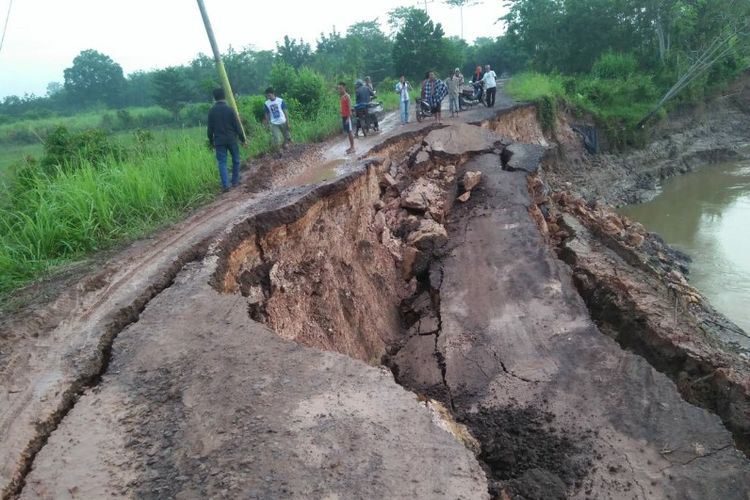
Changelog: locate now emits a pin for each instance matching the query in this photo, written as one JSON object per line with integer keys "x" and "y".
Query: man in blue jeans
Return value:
{"x": 224, "y": 131}
{"x": 402, "y": 89}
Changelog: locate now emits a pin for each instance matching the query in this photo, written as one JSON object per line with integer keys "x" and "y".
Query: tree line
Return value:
{"x": 413, "y": 45}
{"x": 658, "y": 39}
{"x": 664, "y": 37}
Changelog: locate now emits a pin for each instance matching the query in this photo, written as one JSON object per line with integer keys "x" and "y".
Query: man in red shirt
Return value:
{"x": 346, "y": 115}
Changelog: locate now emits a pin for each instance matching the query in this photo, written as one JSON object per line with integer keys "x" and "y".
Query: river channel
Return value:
{"x": 706, "y": 214}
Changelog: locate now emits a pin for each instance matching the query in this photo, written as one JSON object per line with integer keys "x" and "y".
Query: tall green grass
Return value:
{"x": 11, "y": 155}
{"x": 33, "y": 131}
{"x": 54, "y": 219}
{"x": 616, "y": 103}
{"x": 534, "y": 86}
{"x": 51, "y": 219}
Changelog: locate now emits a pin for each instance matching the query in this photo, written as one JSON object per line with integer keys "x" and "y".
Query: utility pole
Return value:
{"x": 5, "y": 28}
{"x": 219, "y": 63}
{"x": 461, "y": 4}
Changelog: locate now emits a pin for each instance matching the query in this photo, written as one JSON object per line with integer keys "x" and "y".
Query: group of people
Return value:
{"x": 434, "y": 91}
{"x": 225, "y": 132}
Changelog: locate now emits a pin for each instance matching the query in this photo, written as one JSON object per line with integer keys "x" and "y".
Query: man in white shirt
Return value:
{"x": 490, "y": 86}
{"x": 277, "y": 117}
{"x": 402, "y": 88}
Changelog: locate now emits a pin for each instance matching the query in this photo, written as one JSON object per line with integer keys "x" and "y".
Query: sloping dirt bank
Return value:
{"x": 634, "y": 284}
{"x": 717, "y": 131}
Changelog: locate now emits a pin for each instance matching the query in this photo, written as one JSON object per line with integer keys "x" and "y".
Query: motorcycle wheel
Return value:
{"x": 419, "y": 116}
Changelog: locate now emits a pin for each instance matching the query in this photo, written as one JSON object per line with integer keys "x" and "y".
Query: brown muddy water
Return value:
{"x": 706, "y": 214}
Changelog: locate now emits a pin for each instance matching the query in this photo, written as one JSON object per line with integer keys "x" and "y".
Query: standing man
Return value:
{"x": 224, "y": 131}
{"x": 402, "y": 88}
{"x": 346, "y": 115}
{"x": 454, "y": 83}
{"x": 477, "y": 81}
{"x": 490, "y": 85}
{"x": 434, "y": 91}
{"x": 277, "y": 117}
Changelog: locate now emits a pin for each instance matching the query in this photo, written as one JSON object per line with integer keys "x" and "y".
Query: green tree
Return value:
{"x": 419, "y": 44}
{"x": 282, "y": 78}
{"x": 94, "y": 77}
{"x": 171, "y": 89}
{"x": 54, "y": 88}
{"x": 139, "y": 89}
{"x": 247, "y": 69}
{"x": 374, "y": 47}
{"x": 336, "y": 55}
{"x": 294, "y": 53}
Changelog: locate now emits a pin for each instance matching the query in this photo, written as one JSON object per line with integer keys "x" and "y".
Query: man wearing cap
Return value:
{"x": 454, "y": 83}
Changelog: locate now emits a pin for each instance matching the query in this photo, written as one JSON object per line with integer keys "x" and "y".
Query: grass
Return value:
{"x": 56, "y": 219}
{"x": 534, "y": 86}
{"x": 12, "y": 154}
{"x": 50, "y": 220}
{"x": 31, "y": 131}
{"x": 616, "y": 104}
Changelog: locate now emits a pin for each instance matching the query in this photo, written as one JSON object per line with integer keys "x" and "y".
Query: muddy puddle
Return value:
{"x": 705, "y": 214}
{"x": 318, "y": 173}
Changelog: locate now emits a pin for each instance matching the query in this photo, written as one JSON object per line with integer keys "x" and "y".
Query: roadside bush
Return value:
{"x": 309, "y": 88}
{"x": 194, "y": 115}
{"x": 151, "y": 117}
{"x": 125, "y": 118}
{"x": 388, "y": 85}
{"x": 615, "y": 65}
{"x": 67, "y": 150}
{"x": 533, "y": 86}
{"x": 253, "y": 106}
{"x": 282, "y": 78}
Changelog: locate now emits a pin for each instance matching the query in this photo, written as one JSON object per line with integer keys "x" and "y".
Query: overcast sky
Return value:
{"x": 44, "y": 36}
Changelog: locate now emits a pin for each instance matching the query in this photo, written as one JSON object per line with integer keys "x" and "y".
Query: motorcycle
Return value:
{"x": 368, "y": 117}
{"x": 471, "y": 95}
{"x": 423, "y": 109}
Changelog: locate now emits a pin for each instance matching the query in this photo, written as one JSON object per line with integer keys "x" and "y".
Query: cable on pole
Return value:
{"x": 5, "y": 27}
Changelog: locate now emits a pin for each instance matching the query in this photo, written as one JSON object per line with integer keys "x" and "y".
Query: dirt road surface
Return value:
{"x": 51, "y": 353}
{"x": 207, "y": 361}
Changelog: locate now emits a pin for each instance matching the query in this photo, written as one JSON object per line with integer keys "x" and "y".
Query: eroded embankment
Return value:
{"x": 636, "y": 289}
{"x": 468, "y": 305}
{"x": 350, "y": 272}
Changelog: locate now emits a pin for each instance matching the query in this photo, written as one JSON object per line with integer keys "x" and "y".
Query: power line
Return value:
{"x": 5, "y": 28}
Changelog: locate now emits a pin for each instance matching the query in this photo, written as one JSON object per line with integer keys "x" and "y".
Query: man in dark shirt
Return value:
{"x": 224, "y": 131}
{"x": 364, "y": 95}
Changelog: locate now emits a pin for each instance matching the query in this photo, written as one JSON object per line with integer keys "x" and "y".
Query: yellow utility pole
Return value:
{"x": 219, "y": 63}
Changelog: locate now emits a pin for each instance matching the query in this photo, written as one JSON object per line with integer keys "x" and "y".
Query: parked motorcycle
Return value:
{"x": 423, "y": 109}
{"x": 471, "y": 95}
{"x": 369, "y": 117}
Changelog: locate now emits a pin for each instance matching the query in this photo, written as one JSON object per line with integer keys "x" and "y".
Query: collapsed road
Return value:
{"x": 431, "y": 322}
